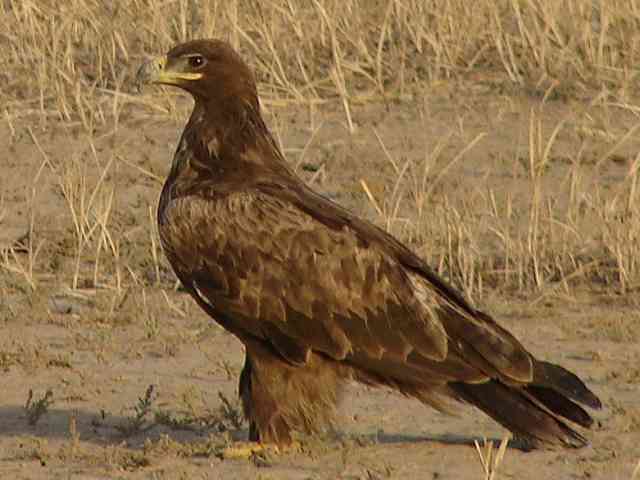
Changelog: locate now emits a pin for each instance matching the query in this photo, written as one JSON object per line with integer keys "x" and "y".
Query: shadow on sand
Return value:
{"x": 106, "y": 429}
{"x": 447, "y": 439}
{"x": 98, "y": 427}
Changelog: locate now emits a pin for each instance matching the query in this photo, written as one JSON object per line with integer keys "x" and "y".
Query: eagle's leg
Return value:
{"x": 279, "y": 398}
{"x": 269, "y": 431}
{"x": 244, "y": 391}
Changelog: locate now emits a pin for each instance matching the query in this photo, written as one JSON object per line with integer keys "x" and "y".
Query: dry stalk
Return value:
{"x": 491, "y": 458}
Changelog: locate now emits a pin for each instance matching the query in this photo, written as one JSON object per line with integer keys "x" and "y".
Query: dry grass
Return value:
{"x": 74, "y": 64}
{"x": 66, "y": 69}
{"x": 490, "y": 457}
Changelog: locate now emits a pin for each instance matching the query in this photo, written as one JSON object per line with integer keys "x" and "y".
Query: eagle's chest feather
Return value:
{"x": 198, "y": 234}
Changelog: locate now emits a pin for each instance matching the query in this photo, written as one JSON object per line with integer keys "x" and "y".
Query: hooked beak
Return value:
{"x": 156, "y": 71}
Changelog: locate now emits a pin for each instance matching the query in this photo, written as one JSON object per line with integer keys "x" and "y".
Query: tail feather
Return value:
{"x": 560, "y": 405}
{"x": 561, "y": 380}
{"x": 524, "y": 412}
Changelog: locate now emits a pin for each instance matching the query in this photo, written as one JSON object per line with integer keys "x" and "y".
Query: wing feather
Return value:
{"x": 287, "y": 276}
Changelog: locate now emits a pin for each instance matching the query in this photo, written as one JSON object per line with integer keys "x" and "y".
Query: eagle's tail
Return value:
{"x": 536, "y": 412}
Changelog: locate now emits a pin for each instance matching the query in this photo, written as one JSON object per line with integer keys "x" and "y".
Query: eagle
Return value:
{"x": 318, "y": 296}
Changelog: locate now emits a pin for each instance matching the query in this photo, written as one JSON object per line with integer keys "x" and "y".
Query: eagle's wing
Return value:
{"x": 304, "y": 274}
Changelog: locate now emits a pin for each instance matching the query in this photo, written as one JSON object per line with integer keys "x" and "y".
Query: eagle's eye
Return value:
{"x": 196, "y": 61}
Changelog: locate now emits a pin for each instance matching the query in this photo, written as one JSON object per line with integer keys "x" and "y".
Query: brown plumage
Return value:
{"x": 319, "y": 296}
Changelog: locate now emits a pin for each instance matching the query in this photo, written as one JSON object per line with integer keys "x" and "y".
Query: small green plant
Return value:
{"x": 186, "y": 422}
{"x": 228, "y": 416}
{"x": 230, "y": 411}
{"x": 142, "y": 409}
{"x": 35, "y": 409}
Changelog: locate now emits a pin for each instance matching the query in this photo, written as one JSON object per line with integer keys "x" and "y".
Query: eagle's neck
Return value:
{"x": 223, "y": 147}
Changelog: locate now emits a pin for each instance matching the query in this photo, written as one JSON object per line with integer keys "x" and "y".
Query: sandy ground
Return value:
{"x": 98, "y": 348}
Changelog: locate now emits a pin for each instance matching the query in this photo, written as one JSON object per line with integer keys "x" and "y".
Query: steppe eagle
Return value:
{"x": 319, "y": 296}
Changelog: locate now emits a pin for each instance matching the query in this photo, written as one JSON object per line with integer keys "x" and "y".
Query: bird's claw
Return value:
{"x": 246, "y": 450}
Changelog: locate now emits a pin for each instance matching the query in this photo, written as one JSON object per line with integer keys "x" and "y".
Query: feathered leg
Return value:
{"x": 279, "y": 397}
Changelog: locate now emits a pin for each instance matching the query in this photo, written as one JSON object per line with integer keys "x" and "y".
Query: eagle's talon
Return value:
{"x": 247, "y": 450}
{"x": 240, "y": 450}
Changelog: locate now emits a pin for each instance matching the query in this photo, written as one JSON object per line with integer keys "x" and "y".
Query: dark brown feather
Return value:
{"x": 318, "y": 295}
{"x": 527, "y": 416}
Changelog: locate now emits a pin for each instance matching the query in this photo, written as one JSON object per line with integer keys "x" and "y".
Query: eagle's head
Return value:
{"x": 210, "y": 70}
